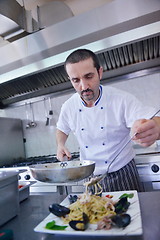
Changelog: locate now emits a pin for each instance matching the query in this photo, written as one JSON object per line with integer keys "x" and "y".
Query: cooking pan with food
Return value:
{"x": 62, "y": 172}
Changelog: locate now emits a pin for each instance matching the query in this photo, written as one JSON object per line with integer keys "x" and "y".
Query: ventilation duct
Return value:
{"x": 44, "y": 16}
{"x": 22, "y": 17}
{"x": 125, "y": 44}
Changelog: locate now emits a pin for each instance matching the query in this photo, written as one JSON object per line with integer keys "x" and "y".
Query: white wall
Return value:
{"x": 41, "y": 139}
{"x": 146, "y": 88}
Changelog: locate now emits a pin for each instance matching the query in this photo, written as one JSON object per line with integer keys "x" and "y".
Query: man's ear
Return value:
{"x": 100, "y": 71}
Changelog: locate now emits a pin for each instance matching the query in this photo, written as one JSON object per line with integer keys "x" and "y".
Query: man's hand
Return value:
{"x": 147, "y": 131}
{"x": 62, "y": 151}
{"x": 63, "y": 154}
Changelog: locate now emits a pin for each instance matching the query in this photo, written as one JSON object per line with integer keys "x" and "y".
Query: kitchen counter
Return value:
{"x": 35, "y": 209}
{"x": 154, "y": 148}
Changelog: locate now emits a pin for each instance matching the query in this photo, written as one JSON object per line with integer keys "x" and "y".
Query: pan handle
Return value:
{"x": 63, "y": 164}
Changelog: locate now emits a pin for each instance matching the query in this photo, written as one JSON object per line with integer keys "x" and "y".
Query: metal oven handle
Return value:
{"x": 142, "y": 165}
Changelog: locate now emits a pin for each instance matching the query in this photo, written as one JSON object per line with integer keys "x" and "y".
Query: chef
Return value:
{"x": 103, "y": 120}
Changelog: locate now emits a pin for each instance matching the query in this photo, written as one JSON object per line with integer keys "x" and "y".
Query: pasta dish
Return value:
{"x": 91, "y": 209}
{"x": 95, "y": 207}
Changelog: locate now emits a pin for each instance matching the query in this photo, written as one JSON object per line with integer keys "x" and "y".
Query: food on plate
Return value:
{"x": 128, "y": 195}
{"x": 95, "y": 207}
{"x": 88, "y": 208}
{"x": 72, "y": 198}
{"x": 92, "y": 209}
{"x": 109, "y": 196}
{"x": 52, "y": 226}
{"x": 122, "y": 205}
{"x": 95, "y": 183}
{"x": 121, "y": 220}
{"x": 59, "y": 210}
{"x": 80, "y": 225}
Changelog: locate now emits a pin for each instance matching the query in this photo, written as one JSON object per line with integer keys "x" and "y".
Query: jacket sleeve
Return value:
{"x": 63, "y": 121}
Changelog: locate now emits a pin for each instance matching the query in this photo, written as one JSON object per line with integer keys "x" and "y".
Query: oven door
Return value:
{"x": 148, "y": 167}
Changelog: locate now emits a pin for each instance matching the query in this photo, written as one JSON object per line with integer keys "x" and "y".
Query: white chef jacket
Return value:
{"x": 102, "y": 130}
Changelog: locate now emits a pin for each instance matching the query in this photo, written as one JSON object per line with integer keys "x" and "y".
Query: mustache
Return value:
{"x": 87, "y": 90}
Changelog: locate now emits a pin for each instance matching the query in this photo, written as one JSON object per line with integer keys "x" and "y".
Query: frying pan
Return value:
{"x": 62, "y": 172}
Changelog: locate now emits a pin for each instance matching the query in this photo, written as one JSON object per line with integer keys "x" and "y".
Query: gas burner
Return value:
{"x": 38, "y": 160}
{"x": 75, "y": 155}
{"x": 20, "y": 164}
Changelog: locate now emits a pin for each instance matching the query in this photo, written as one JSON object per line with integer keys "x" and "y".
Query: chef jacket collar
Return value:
{"x": 97, "y": 101}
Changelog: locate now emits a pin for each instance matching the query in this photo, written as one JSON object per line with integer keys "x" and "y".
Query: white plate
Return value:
{"x": 134, "y": 228}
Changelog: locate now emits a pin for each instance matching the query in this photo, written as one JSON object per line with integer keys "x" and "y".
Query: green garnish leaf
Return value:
{"x": 128, "y": 195}
{"x": 53, "y": 226}
{"x": 49, "y": 225}
{"x": 57, "y": 227}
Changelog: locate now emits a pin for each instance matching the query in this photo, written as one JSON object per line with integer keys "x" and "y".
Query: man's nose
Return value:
{"x": 84, "y": 84}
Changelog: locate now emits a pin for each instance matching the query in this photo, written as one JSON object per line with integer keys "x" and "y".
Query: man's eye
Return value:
{"x": 89, "y": 76}
{"x": 75, "y": 80}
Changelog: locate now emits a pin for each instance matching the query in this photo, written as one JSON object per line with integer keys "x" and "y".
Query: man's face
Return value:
{"x": 85, "y": 79}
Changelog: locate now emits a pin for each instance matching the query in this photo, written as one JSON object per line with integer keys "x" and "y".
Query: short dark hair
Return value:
{"x": 80, "y": 55}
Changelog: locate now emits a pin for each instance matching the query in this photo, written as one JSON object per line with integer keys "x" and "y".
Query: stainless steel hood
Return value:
{"x": 126, "y": 44}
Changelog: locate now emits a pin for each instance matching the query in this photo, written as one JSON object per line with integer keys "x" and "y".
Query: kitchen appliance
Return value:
{"x": 11, "y": 144}
{"x": 24, "y": 190}
{"x": 148, "y": 166}
{"x": 9, "y": 195}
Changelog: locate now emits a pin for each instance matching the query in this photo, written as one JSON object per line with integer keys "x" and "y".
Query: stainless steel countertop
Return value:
{"x": 154, "y": 148}
{"x": 35, "y": 209}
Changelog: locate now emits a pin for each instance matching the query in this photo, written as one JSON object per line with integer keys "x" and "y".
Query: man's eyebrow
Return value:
{"x": 85, "y": 75}
{"x": 90, "y": 73}
{"x": 73, "y": 78}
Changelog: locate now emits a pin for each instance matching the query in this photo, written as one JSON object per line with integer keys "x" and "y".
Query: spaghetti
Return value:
{"x": 95, "y": 207}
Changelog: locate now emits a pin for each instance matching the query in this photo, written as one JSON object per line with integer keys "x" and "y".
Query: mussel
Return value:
{"x": 80, "y": 225}
{"x": 72, "y": 198}
{"x": 122, "y": 205}
{"x": 121, "y": 220}
{"x": 59, "y": 210}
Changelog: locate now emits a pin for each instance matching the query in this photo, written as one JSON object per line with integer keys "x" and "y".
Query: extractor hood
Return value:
{"x": 124, "y": 34}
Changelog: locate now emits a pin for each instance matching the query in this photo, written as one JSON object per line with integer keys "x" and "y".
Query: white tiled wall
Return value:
{"x": 41, "y": 139}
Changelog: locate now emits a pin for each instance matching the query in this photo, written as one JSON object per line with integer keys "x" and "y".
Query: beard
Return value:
{"x": 87, "y": 94}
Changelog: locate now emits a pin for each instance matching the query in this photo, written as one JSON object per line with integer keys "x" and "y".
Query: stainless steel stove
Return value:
{"x": 148, "y": 166}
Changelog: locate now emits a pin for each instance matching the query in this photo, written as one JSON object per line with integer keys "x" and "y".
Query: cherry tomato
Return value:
{"x": 109, "y": 196}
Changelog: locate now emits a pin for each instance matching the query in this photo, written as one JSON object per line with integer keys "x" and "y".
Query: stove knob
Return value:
{"x": 19, "y": 177}
{"x": 27, "y": 177}
{"x": 155, "y": 168}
